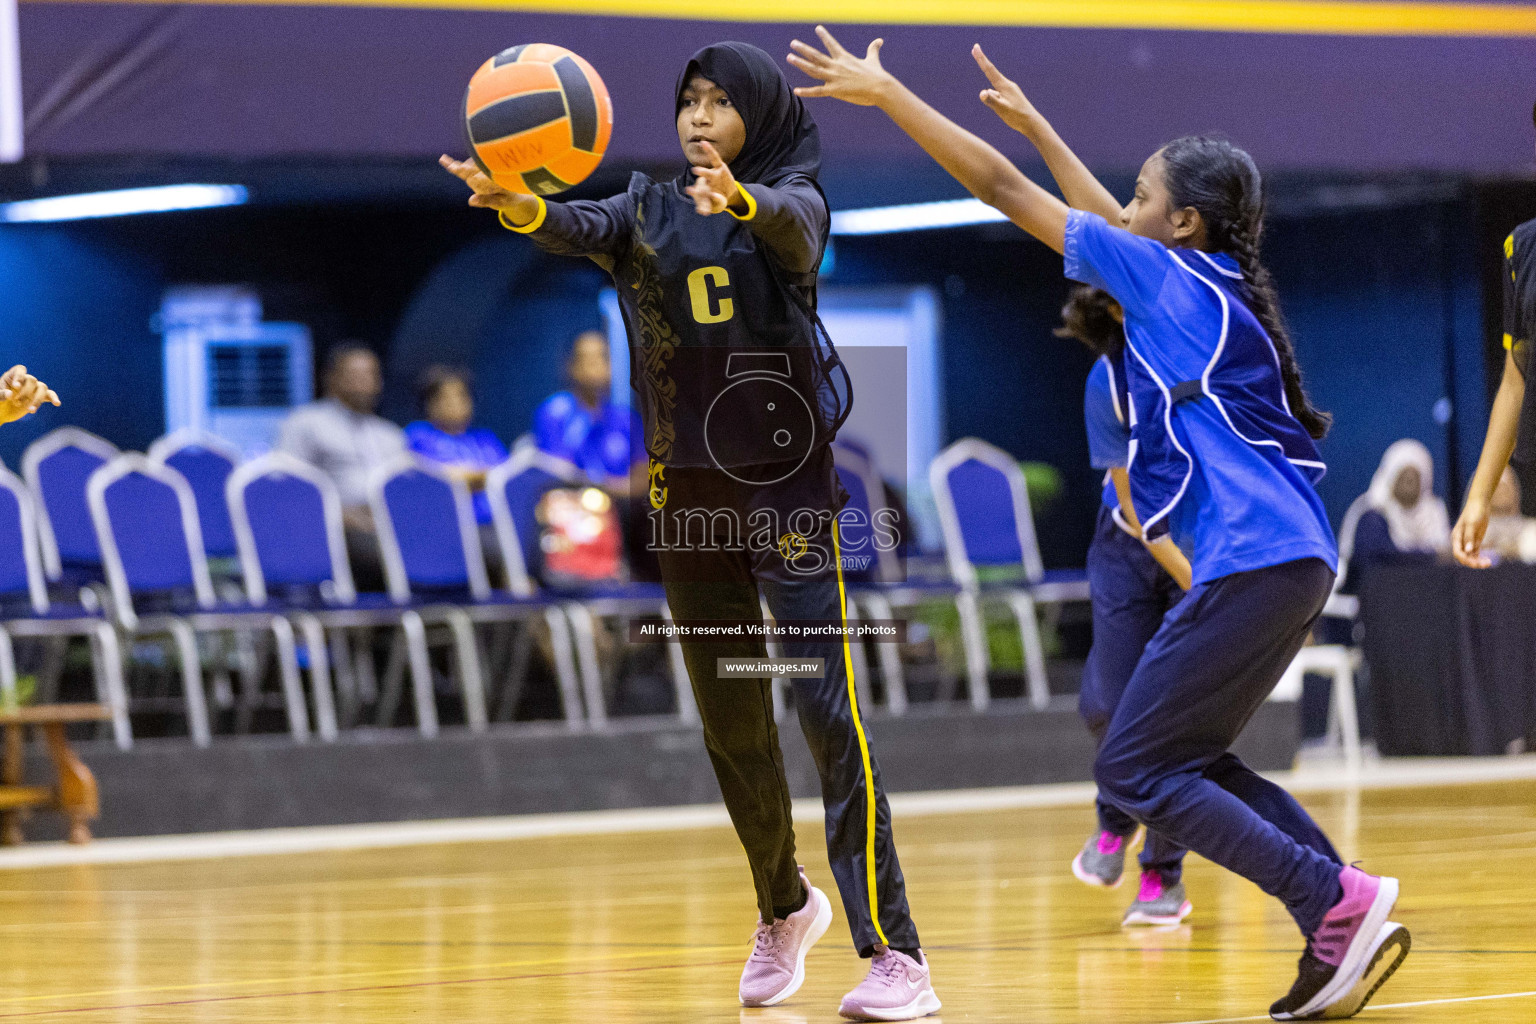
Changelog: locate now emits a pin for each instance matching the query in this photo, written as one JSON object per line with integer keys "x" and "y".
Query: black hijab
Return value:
{"x": 781, "y": 135}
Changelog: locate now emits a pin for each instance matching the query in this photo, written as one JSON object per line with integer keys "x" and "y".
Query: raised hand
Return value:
{"x": 857, "y": 80}
{"x": 22, "y": 394}
{"x": 714, "y": 186}
{"x": 1005, "y": 98}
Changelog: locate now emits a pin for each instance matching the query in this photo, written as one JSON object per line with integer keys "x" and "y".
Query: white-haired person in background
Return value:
{"x": 22, "y": 394}
{"x": 1398, "y": 515}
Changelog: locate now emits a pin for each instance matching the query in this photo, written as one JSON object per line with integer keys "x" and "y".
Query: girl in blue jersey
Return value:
{"x": 1224, "y": 462}
{"x": 1133, "y": 584}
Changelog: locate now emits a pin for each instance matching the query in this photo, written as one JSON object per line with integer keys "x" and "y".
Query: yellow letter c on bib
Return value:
{"x": 709, "y": 306}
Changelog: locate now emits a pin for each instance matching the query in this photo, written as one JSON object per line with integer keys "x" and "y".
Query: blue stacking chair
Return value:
{"x": 56, "y": 467}
{"x": 293, "y": 555}
{"x": 984, "y": 509}
{"x": 26, "y": 611}
{"x": 514, "y": 489}
{"x": 206, "y": 461}
{"x": 151, "y": 546}
{"x": 880, "y": 584}
{"x": 433, "y": 562}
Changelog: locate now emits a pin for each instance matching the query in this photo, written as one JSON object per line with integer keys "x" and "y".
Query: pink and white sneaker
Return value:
{"x": 775, "y": 969}
{"x": 1351, "y": 955}
{"x": 896, "y": 988}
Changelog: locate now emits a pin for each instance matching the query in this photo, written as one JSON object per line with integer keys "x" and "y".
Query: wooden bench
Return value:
{"x": 75, "y": 792}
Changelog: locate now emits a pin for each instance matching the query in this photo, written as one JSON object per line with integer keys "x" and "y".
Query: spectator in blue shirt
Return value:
{"x": 584, "y": 426}
{"x": 445, "y": 436}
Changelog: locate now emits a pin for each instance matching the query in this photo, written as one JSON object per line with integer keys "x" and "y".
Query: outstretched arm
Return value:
{"x": 986, "y": 173}
{"x": 1005, "y": 99}
{"x": 598, "y": 229}
{"x": 1503, "y": 426}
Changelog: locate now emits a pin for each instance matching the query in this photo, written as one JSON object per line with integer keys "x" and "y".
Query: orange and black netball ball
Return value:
{"x": 538, "y": 118}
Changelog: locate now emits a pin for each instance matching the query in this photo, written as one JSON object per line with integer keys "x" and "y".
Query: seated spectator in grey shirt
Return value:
{"x": 341, "y": 435}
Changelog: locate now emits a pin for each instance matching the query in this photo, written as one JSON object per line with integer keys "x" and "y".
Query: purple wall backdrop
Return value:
{"x": 243, "y": 82}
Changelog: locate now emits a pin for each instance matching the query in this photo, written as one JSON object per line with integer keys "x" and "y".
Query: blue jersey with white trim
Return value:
{"x": 1106, "y": 415}
{"x": 1217, "y": 459}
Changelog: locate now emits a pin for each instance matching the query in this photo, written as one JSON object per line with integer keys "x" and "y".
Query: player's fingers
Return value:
{"x": 715, "y": 163}
{"x": 834, "y": 48}
{"x": 873, "y": 53}
{"x": 812, "y": 91}
{"x": 989, "y": 69}
{"x": 53, "y": 398}
{"x": 806, "y": 52}
{"x": 459, "y": 169}
{"x": 814, "y": 70}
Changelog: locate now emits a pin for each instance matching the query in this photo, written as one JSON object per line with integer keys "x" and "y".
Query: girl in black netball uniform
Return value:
{"x": 741, "y": 394}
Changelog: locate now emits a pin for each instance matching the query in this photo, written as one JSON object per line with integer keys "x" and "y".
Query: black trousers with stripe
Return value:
{"x": 712, "y": 575}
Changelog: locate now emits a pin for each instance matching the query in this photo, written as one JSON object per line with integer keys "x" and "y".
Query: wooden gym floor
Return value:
{"x": 651, "y": 927}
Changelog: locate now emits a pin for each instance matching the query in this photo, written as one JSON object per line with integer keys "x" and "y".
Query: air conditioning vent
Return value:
{"x": 228, "y": 372}
{"x": 248, "y": 376}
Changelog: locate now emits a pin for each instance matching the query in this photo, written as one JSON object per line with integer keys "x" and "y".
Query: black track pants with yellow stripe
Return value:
{"x": 706, "y": 579}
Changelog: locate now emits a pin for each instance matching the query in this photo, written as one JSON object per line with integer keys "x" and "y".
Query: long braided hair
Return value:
{"x": 1223, "y": 184}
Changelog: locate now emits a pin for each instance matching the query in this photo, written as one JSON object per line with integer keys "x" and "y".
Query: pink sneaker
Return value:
{"x": 1101, "y": 861}
{"x": 776, "y": 968}
{"x": 1158, "y": 904}
{"x": 1351, "y": 955}
{"x": 897, "y": 988}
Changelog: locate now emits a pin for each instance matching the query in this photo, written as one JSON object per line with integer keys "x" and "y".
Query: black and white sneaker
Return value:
{"x": 1312, "y": 976}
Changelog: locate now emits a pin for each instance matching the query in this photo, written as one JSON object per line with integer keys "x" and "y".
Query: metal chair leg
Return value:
{"x": 346, "y": 680}
{"x": 471, "y": 675}
{"x": 517, "y": 673}
{"x": 973, "y": 636}
{"x": 252, "y": 672}
{"x": 393, "y": 685}
{"x": 858, "y": 663}
{"x": 288, "y": 674}
{"x": 7, "y": 670}
{"x": 107, "y": 661}
{"x": 892, "y": 673}
{"x": 1023, "y": 606}
{"x": 415, "y": 632}
{"x": 319, "y": 676}
{"x": 585, "y": 632}
{"x": 1343, "y": 715}
{"x": 565, "y": 668}
{"x": 192, "y": 683}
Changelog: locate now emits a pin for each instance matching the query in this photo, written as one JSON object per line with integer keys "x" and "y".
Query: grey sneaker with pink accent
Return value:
{"x": 896, "y": 988}
{"x": 775, "y": 969}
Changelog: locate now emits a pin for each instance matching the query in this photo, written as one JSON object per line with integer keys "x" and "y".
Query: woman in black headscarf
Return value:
{"x": 741, "y": 393}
